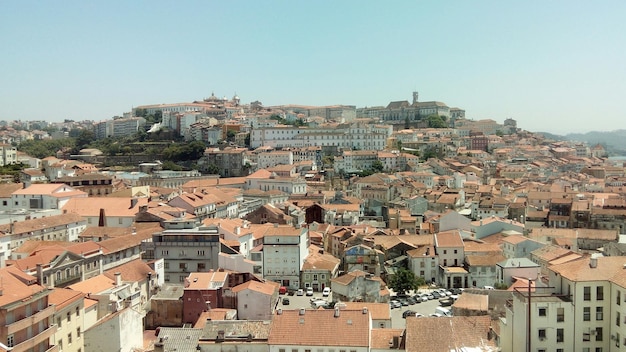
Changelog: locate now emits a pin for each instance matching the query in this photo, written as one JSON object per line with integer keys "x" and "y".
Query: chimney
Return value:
{"x": 102, "y": 220}
{"x": 237, "y": 230}
{"x": 364, "y": 310}
{"x": 279, "y": 311}
{"x": 302, "y": 310}
{"x": 593, "y": 262}
{"x": 276, "y": 225}
{"x": 118, "y": 279}
{"x": 220, "y": 336}
{"x": 133, "y": 202}
{"x": 337, "y": 312}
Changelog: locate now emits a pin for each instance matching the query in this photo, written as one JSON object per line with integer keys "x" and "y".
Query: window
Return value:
{"x": 10, "y": 341}
{"x": 542, "y": 334}
{"x": 599, "y": 293}
{"x": 598, "y": 334}
{"x": 542, "y": 312}
{"x": 617, "y": 319}
{"x": 201, "y": 253}
{"x": 69, "y": 338}
{"x": 599, "y": 313}
{"x": 617, "y": 340}
{"x": 201, "y": 266}
{"x": 281, "y": 350}
{"x": 559, "y": 350}
{"x": 559, "y": 335}
{"x": 618, "y": 297}
{"x": 69, "y": 316}
{"x": 77, "y": 311}
{"x": 587, "y": 313}
{"x": 587, "y": 293}
{"x": 78, "y": 332}
{"x": 586, "y": 336}
{"x": 560, "y": 315}
{"x": 60, "y": 345}
{"x": 445, "y": 251}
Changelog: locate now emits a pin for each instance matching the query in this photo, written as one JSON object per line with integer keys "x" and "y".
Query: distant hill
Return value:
{"x": 613, "y": 141}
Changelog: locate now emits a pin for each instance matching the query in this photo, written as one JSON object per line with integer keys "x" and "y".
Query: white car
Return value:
{"x": 395, "y": 304}
{"x": 309, "y": 291}
{"x": 300, "y": 292}
{"x": 326, "y": 292}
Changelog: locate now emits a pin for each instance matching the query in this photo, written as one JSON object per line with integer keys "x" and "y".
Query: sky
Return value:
{"x": 554, "y": 66}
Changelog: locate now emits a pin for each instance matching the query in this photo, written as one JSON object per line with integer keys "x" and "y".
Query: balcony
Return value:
{"x": 30, "y": 321}
{"x": 35, "y": 340}
{"x": 67, "y": 280}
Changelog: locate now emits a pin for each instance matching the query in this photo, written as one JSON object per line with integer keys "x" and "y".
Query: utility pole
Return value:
{"x": 528, "y": 337}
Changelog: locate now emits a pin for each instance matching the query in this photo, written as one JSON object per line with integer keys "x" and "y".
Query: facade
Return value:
{"x": 185, "y": 248}
{"x": 93, "y": 184}
{"x": 120, "y": 331}
{"x": 25, "y": 313}
{"x": 256, "y": 300}
{"x": 68, "y": 316}
{"x": 284, "y": 252}
{"x": 8, "y": 154}
{"x": 44, "y": 196}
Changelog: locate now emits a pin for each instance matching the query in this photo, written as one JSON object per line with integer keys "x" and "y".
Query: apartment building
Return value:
{"x": 583, "y": 309}
{"x": 25, "y": 313}
{"x": 69, "y": 318}
{"x": 185, "y": 247}
{"x": 285, "y": 249}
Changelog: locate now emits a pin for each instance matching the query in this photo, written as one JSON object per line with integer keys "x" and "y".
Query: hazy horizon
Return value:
{"x": 553, "y": 67}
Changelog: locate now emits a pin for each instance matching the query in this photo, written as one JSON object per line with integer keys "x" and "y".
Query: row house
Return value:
{"x": 69, "y": 317}
{"x": 274, "y": 158}
{"x": 93, "y": 184}
{"x": 230, "y": 161}
{"x": 319, "y": 269}
{"x": 64, "y": 227}
{"x": 44, "y": 196}
{"x": 201, "y": 205}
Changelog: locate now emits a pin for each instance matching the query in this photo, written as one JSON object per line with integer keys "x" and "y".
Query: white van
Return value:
{"x": 443, "y": 311}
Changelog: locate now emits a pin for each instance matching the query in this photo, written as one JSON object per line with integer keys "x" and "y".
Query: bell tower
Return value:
{"x": 415, "y": 94}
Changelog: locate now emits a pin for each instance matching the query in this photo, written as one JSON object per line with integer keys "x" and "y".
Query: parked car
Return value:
{"x": 285, "y": 301}
{"x": 421, "y": 298}
{"x": 435, "y": 315}
{"x": 436, "y": 294}
{"x": 309, "y": 291}
{"x": 429, "y": 296}
{"x": 403, "y": 301}
{"x": 300, "y": 292}
{"x": 282, "y": 290}
{"x": 407, "y": 313}
{"x": 412, "y": 300}
{"x": 326, "y": 292}
{"x": 446, "y": 302}
{"x": 395, "y": 304}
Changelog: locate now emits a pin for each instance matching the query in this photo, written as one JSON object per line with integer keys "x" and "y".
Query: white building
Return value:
{"x": 284, "y": 250}
{"x": 44, "y": 196}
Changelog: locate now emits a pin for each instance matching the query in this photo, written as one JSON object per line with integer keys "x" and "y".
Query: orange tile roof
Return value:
{"x": 94, "y": 285}
{"x": 252, "y": 285}
{"x": 62, "y": 297}
{"x": 449, "y": 239}
{"x": 448, "y": 334}
{"x": 382, "y": 337}
{"x": 293, "y": 328}
{"x": 14, "y": 288}
{"x": 113, "y": 206}
{"x": 133, "y": 271}
{"x": 204, "y": 281}
{"x": 379, "y": 311}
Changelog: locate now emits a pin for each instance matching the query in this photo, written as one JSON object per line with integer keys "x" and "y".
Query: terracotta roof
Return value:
{"x": 113, "y": 206}
{"x": 252, "y": 285}
{"x": 448, "y": 334}
{"x": 38, "y": 224}
{"x": 205, "y": 281}
{"x": 581, "y": 270}
{"x": 290, "y": 327}
{"x": 6, "y": 189}
{"x": 472, "y": 301}
{"x": 484, "y": 260}
{"x": 62, "y": 297}
{"x": 382, "y": 337}
{"x": 448, "y": 239}
{"x": 133, "y": 271}
{"x": 15, "y": 287}
{"x": 94, "y": 285}
{"x": 379, "y": 311}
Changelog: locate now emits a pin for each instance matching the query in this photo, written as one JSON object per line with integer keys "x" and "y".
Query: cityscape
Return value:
{"x": 322, "y": 176}
{"x": 216, "y": 224}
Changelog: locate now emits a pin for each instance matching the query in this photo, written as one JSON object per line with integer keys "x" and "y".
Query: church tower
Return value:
{"x": 415, "y": 98}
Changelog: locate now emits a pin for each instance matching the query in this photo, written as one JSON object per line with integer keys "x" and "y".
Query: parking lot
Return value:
{"x": 397, "y": 322}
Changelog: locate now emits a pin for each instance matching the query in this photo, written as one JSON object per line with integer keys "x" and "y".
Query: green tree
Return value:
{"x": 403, "y": 281}
{"x": 377, "y": 166}
{"x": 85, "y": 138}
{"x": 436, "y": 121}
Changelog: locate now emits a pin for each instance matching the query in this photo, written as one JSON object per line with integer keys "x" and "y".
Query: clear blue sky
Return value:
{"x": 557, "y": 66}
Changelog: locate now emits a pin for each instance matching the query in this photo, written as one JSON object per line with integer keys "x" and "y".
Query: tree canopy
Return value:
{"x": 404, "y": 280}
{"x": 436, "y": 121}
